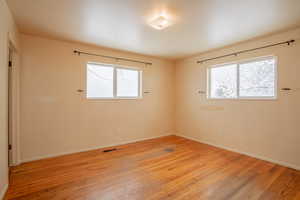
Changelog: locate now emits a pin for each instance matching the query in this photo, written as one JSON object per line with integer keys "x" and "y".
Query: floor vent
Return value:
{"x": 109, "y": 150}
{"x": 169, "y": 149}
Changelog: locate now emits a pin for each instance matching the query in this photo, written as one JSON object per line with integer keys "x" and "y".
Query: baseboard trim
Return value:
{"x": 282, "y": 163}
{"x": 3, "y": 191}
{"x": 89, "y": 149}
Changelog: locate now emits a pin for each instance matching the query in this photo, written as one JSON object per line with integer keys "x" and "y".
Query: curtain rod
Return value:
{"x": 244, "y": 51}
{"x": 112, "y": 57}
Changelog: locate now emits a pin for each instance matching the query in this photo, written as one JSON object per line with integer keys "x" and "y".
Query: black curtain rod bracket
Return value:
{"x": 111, "y": 57}
{"x": 248, "y": 50}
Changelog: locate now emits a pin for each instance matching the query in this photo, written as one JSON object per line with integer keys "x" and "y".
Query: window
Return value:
{"x": 100, "y": 80}
{"x": 245, "y": 80}
{"x": 108, "y": 81}
{"x": 224, "y": 82}
{"x": 127, "y": 83}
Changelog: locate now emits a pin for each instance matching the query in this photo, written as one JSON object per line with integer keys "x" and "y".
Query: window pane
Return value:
{"x": 223, "y": 81}
{"x": 99, "y": 81}
{"x": 127, "y": 83}
{"x": 257, "y": 79}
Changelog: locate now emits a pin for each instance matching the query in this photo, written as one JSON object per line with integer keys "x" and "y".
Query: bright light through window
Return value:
{"x": 224, "y": 82}
{"x": 127, "y": 83}
{"x": 257, "y": 79}
{"x": 251, "y": 79}
{"x": 99, "y": 81}
{"x": 107, "y": 81}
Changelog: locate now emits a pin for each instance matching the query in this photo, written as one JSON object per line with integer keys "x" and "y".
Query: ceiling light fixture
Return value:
{"x": 160, "y": 22}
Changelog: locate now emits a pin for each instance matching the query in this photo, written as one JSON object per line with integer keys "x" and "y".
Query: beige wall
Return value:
{"x": 56, "y": 119}
{"x": 8, "y": 32}
{"x": 269, "y": 129}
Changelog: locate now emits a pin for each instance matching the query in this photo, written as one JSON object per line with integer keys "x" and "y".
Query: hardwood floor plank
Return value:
{"x": 165, "y": 168}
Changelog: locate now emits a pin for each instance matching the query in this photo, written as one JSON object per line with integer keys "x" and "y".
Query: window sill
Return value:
{"x": 245, "y": 99}
{"x": 112, "y": 99}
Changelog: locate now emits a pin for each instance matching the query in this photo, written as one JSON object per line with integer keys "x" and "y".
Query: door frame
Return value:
{"x": 13, "y": 109}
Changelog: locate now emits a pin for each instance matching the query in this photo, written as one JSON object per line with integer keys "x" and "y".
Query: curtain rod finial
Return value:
{"x": 77, "y": 52}
{"x": 291, "y": 41}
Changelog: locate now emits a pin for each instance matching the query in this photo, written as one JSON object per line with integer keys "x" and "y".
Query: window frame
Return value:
{"x": 238, "y": 63}
{"x": 115, "y": 67}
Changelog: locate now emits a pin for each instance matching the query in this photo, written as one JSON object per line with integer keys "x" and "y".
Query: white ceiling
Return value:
{"x": 198, "y": 25}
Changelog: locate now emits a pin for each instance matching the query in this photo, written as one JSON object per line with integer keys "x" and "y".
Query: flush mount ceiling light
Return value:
{"x": 160, "y": 22}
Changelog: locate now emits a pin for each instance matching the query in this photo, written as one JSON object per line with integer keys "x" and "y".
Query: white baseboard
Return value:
{"x": 89, "y": 149}
{"x": 3, "y": 191}
{"x": 285, "y": 164}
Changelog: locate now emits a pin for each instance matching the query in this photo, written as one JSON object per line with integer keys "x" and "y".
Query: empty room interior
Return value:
{"x": 149, "y": 99}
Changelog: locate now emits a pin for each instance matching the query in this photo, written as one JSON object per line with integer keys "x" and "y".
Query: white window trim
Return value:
{"x": 238, "y": 63}
{"x": 115, "y": 97}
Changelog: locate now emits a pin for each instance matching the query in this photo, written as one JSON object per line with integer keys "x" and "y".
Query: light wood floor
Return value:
{"x": 170, "y": 168}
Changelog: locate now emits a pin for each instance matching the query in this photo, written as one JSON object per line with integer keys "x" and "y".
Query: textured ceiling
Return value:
{"x": 198, "y": 25}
